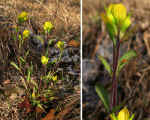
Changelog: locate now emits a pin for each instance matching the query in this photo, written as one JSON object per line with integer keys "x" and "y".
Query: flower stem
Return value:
{"x": 114, "y": 77}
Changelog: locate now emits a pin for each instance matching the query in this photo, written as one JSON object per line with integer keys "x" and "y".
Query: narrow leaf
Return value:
{"x": 103, "y": 94}
{"x": 24, "y": 83}
{"x": 22, "y": 60}
{"x": 131, "y": 118}
{"x": 112, "y": 31}
{"x": 106, "y": 64}
{"x": 117, "y": 108}
{"x": 27, "y": 53}
{"x": 15, "y": 65}
{"x": 125, "y": 59}
{"x": 113, "y": 116}
{"x": 40, "y": 106}
{"x": 29, "y": 75}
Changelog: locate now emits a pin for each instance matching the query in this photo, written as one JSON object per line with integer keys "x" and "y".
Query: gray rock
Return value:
{"x": 89, "y": 74}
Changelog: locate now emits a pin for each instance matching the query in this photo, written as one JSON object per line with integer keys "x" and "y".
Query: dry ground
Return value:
{"x": 65, "y": 15}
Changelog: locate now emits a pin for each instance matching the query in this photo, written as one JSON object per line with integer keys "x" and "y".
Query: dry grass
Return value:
{"x": 65, "y": 15}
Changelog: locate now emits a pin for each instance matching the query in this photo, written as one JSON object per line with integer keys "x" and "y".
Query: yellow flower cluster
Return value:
{"x": 123, "y": 115}
{"x": 26, "y": 34}
{"x": 23, "y": 17}
{"x": 60, "y": 45}
{"x": 44, "y": 60}
{"x": 116, "y": 13}
{"x": 47, "y": 26}
{"x": 54, "y": 78}
{"x": 116, "y": 18}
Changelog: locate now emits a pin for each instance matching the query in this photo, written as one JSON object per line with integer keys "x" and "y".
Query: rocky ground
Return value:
{"x": 134, "y": 79}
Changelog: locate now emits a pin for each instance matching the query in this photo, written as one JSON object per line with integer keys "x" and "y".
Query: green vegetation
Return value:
{"x": 117, "y": 22}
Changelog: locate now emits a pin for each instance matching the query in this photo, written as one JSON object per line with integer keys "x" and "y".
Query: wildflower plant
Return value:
{"x": 47, "y": 27}
{"x": 117, "y": 22}
{"x": 23, "y": 17}
{"x": 38, "y": 91}
{"x": 19, "y": 35}
{"x": 60, "y": 46}
{"x": 26, "y": 34}
{"x": 44, "y": 60}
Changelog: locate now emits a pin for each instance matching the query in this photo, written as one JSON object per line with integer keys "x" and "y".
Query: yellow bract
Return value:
{"x": 123, "y": 115}
{"x": 107, "y": 18}
{"x": 60, "y": 45}
{"x": 44, "y": 60}
{"x": 54, "y": 78}
{"x": 48, "y": 26}
{"x": 116, "y": 19}
{"x": 118, "y": 11}
{"x": 23, "y": 17}
{"x": 26, "y": 34}
{"x": 115, "y": 13}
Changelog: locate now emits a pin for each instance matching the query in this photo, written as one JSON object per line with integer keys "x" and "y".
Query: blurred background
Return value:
{"x": 135, "y": 77}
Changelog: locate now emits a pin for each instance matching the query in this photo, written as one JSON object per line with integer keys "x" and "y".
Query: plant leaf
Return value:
{"x": 113, "y": 116}
{"x": 29, "y": 72}
{"x": 112, "y": 31}
{"x": 29, "y": 75}
{"x": 117, "y": 108}
{"x": 22, "y": 60}
{"x": 125, "y": 59}
{"x": 15, "y": 65}
{"x": 27, "y": 53}
{"x": 131, "y": 118}
{"x": 103, "y": 94}
{"x": 106, "y": 64}
{"x": 24, "y": 83}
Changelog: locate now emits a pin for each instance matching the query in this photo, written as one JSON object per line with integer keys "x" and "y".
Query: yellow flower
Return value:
{"x": 54, "y": 78}
{"x": 123, "y": 115}
{"x": 60, "y": 45}
{"x": 48, "y": 26}
{"x": 26, "y": 34}
{"x": 33, "y": 95}
{"x": 23, "y": 17}
{"x": 118, "y": 11}
{"x": 116, "y": 19}
{"x": 44, "y": 60}
{"x": 115, "y": 13}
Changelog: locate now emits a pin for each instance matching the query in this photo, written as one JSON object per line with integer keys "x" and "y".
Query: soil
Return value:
{"x": 134, "y": 79}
